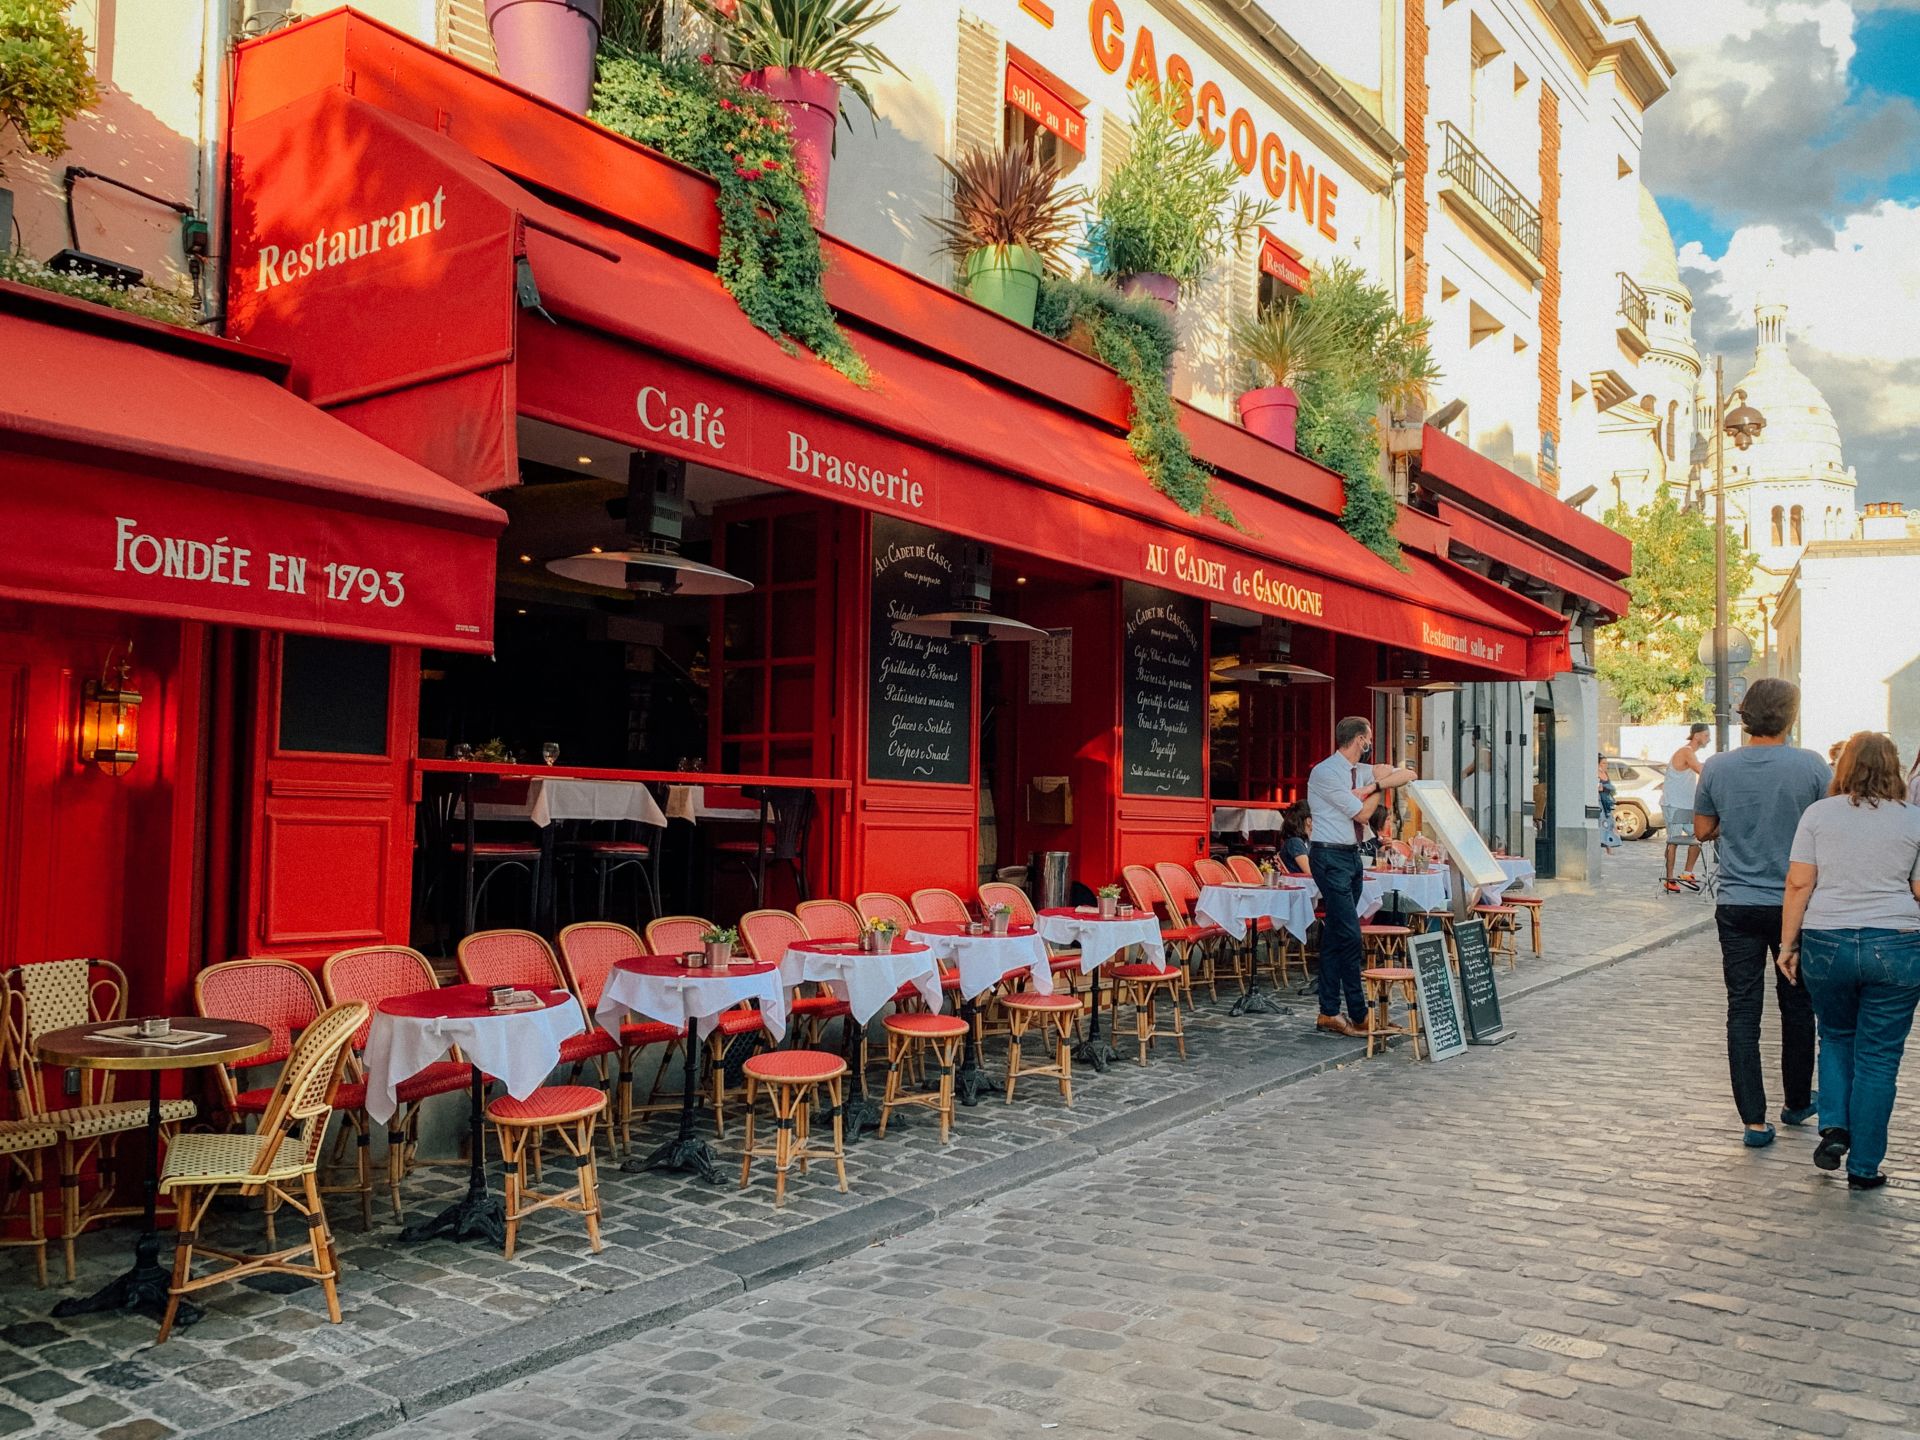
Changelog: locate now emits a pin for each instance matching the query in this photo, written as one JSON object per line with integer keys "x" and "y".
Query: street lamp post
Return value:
{"x": 1743, "y": 426}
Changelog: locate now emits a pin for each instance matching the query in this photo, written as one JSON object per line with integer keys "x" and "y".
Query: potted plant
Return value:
{"x": 999, "y": 918}
{"x": 547, "y": 46}
{"x": 802, "y": 53}
{"x": 879, "y": 934}
{"x": 1172, "y": 208}
{"x": 719, "y": 943}
{"x": 1109, "y": 897}
{"x": 45, "y": 81}
{"x": 1008, "y": 227}
{"x": 1285, "y": 343}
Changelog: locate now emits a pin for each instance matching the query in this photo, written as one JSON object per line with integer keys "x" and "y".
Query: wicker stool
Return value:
{"x": 907, "y": 1037}
{"x": 1141, "y": 986}
{"x": 569, "y": 1111}
{"x": 1382, "y": 983}
{"x": 1385, "y": 945}
{"x": 1531, "y": 904}
{"x": 1503, "y": 930}
{"x": 791, "y": 1078}
{"x": 1055, "y": 1013}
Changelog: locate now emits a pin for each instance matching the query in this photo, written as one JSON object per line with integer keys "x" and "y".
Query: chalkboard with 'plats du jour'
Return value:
{"x": 1482, "y": 996}
{"x": 919, "y": 689}
{"x": 1440, "y": 1022}
{"x": 1163, "y": 692}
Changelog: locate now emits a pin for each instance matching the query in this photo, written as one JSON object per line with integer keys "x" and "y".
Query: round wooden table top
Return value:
{"x": 88, "y": 1048}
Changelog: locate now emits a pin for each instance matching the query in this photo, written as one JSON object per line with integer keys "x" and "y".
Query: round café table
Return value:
{"x": 519, "y": 1047}
{"x": 866, "y": 980}
{"x": 688, "y": 997}
{"x": 1099, "y": 939}
{"x": 1288, "y": 904}
{"x": 983, "y": 960}
{"x": 93, "y": 1047}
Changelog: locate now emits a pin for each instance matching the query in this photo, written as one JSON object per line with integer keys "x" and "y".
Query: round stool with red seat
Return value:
{"x": 908, "y": 1034}
{"x": 1382, "y": 983}
{"x": 1531, "y": 905}
{"x": 569, "y": 1111}
{"x": 1051, "y": 1013}
{"x": 1141, "y": 985}
{"x": 791, "y": 1078}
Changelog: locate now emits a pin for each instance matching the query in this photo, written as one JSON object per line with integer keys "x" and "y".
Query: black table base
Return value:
{"x": 143, "y": 1289}
{"x": 970, "y": 1080}
{"x": 478, "y": 1214}
{"x": 1253, "y": 1001}
{"x": 1094, "y": 1050}
{"x": 686, "y": 1152}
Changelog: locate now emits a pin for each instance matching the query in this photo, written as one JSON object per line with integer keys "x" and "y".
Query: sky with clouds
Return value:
{"x": 1793, "y": 132}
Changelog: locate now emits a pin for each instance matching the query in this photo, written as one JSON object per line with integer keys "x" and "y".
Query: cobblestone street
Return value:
{"x": 1560, "y": 1237}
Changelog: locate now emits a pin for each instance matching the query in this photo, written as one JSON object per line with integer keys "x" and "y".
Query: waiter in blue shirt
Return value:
{"x": 1343, "y": 791}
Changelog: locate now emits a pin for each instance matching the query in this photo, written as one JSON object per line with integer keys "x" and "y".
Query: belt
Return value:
{"x": 1328, "y": 845}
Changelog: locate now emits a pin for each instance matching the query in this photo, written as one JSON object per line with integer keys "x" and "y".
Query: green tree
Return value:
{"x": 44, "y": 77}
{"x": 1648, "y": 657}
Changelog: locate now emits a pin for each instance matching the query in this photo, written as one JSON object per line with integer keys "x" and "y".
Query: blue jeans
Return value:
{"x": 1865, "y": 985}
{"x": 1336, "y": 870}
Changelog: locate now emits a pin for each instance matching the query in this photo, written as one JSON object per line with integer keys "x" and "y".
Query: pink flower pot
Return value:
{"x": 1163, "y": 290}
{"x": 1270, "y": 413}
{"x": 812, "y": 103}
{"x": 547, "y": 46}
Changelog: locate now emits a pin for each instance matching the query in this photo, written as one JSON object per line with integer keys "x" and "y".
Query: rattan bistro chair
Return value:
{"x": 22, "y": 1173}
{"x": 47, "y": 995}
{"x": 277, "y": 1160}
{"x": 679, "y": 935}
{"x": 589, "y": 951}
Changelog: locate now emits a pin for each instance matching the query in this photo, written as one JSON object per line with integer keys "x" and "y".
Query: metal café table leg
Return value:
{"x": 477, "y": 1215}
{"x": 1094, "y": 1050}
{"x": 685, "y": 1151}
{"x": 971, "y": 1079}
{"x": 1255, "y": 1001}
{"x": 143, "y": 1288}
{"x": 858, "y": 1112}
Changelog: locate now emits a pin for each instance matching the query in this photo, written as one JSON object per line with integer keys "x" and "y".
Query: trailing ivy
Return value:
{"x": 694, "y": 111}
{"x": 1135, "y": 337}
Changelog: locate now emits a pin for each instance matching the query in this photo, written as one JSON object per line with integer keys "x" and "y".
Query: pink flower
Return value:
{"x": 769, "y": 164}
{"x": 706, "y": 59}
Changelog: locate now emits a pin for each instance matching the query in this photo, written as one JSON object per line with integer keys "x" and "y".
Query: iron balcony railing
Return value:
{"x": 1633, "y": 304}
{"x": 1466, "y": 167}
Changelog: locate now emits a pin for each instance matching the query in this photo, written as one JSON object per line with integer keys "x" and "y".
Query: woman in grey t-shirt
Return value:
{"x": 1851, "y": 924}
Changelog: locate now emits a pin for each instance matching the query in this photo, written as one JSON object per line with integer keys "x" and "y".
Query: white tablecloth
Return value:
{"x": 1232, "y": 906}
{"x": 689, "y": 803}
{"x": 983, "y": 960}
{"x": 1100, "y": 940}
{"x": 563, "y": 799}
{"x": 520, "y": 1049}
{"x": 696, "y": 995}
{"x": 865, "y": 982}
{"x": 1232, "y": 820}
{"x": 1424, "y": 891}
{"x": 1519, "y": 871}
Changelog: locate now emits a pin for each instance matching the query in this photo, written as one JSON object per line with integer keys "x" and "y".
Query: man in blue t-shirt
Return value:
{"x": 1749, "y": 803}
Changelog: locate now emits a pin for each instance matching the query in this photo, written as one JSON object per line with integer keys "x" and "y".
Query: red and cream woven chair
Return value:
{"x": 935, "y": 906}
{"x": 1183, "y": 892}
{"x": 48, "y": 995}
{"x": 523, "y": 959}
{"x": 879, "y": 905}
{"x": 21, "y": 1170}
{"x": 1281, "y": 946}
{"x": 1020, "y": 905}
{"x": 1184, "y": 942}
{"x": 284, "y": 998}
{"x": 589, "y": 951}
{"x": 1209, "y": 871}
{"x": 767, "y": 934}
{"x": 277, "y": 1162}
{"x": 791, "y": 1079}
{"x": 677, "y": 935}
{"x": 569, "y": 1112}
{"x": 829, "y": 920}
{"x": 941, "y": 1036}
{"x": 1244, "y": 869}
{"x": 383, "y": 972}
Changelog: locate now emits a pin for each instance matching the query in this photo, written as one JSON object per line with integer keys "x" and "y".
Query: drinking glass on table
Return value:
{"x": 550, "y": 752}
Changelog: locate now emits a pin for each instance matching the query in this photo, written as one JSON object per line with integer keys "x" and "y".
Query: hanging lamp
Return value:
{"x": 651, "y": 564}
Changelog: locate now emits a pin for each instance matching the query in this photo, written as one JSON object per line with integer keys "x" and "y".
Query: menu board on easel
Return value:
{"x": 1439, "y": 1005}
{"x": 1163, "y": 692}
{"x": 919, "y": 689}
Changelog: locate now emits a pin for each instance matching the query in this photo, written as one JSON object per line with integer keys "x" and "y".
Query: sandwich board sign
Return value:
{"x": 1440, "y": 1022}
{"x": 1482, "y": 996}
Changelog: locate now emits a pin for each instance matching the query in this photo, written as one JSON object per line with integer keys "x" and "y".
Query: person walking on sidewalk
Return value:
{"x": 1749, "y": 802}
{"x": 1676, "y": 803}
{"x": 1609, "y": 836}
{"x": 1850, "y": 931}
{"x": 1343, "y": 791}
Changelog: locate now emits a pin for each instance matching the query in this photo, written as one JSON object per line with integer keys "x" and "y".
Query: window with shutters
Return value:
{"x": 1116, "y": 141}
{"x": 461, "y": 27}
{"x": 980, "y": 91}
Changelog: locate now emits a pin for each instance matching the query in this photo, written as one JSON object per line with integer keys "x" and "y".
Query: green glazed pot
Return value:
{"x": 1005, "y": 279}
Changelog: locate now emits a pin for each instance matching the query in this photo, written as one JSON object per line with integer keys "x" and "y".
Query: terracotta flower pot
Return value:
{"x": 1163, "y": 290}
{"x": 1005, "y": 279}
{"x": 547, "y": 46}
{"x": 812, "y": 102}
{"x": 1270, "y": 413}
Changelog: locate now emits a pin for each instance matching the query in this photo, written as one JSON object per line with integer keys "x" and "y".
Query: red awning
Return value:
{"x": 1451, "y": 469}
{"x": 1033, "y": 89}
{"x": 1529, "y": 558}
{"x": 148, "y": 469}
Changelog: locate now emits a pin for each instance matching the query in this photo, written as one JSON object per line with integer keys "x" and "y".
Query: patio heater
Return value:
{"x": 655, "y": 513}
{"x": 969, "y": 618}
{"x": 1269, "y": 660}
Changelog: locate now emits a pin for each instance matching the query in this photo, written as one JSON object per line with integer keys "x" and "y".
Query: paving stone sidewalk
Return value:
{"x": 429, "y": 1322}
{"x": 1562, "y": 1237}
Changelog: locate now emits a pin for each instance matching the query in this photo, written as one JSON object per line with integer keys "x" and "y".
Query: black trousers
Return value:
{"x": 1749, "y": 943}
{"x": 1336, "y": 870}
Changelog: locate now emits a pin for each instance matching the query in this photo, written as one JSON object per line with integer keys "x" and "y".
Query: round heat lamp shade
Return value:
{"x": 969, "y": 627}
{"x": 1274, "y": 673}
{"x": 648, "y": 572}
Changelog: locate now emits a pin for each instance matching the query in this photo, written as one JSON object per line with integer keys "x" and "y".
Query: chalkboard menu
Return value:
{"x": 1439, "y": 1006}
{"x": 1163, "y": 692}
{"x": 919, "y": 689}
{"x": 1476, "y": 983}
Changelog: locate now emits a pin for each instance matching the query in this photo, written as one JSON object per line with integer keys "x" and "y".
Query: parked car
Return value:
{"x": 1636, "y": 797}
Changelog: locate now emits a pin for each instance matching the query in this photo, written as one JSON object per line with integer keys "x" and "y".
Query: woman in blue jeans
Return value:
{"x": 1851, "y": 928}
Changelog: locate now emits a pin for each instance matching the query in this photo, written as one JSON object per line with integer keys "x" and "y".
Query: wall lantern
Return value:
{"x": 1744, "y": 423}
{"x": 110, "y": 717}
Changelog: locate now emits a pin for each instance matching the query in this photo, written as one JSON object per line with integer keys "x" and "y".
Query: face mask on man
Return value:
{"x": 1366, "y": 752}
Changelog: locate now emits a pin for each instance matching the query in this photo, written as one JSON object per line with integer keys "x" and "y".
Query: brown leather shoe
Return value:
{"x": 1333, "y": 1025}
{"x": 1359, "y": 1032}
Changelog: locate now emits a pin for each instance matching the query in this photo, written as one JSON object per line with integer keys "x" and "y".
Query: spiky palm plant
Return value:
{"x": 825, "y": 35}
{"x": 1007, "y": 197}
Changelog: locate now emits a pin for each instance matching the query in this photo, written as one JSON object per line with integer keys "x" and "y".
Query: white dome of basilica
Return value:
{"x": 1658, "y": 264}
{"x": 1802, "y": 439}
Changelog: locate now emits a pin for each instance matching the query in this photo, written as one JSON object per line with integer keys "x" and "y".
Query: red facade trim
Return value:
{"x": 1518, "y": 553}
{"x": 1451, "y": 469}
